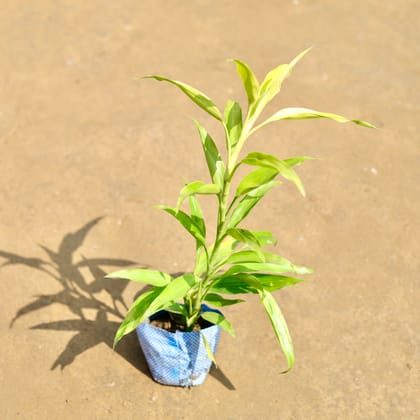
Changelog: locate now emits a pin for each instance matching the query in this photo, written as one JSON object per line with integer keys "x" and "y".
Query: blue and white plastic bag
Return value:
{"x": 177, "y": 358}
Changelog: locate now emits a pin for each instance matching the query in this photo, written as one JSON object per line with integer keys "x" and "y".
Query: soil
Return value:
{"x": 169, "y": 323}
{"x": 86, "y": 150}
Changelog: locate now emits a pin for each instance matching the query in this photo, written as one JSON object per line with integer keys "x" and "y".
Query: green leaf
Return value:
{"x": 218, "y": 319}
{"x": 271, "y": 85}
{"x": 280, "y": 327}
{"x": 240, "y": 283}
{"x": 246, "y": 237}
{"x": 233, "y": 118}
{"x": 173, "y": 292}
{"x": 152, "y": 277}
{"x": 273, "y": 282}
{"x": 277, "y": 259}
{"x": 196, "y": 187}
{"x": 245, "y": 257}
{"x": 210, "y": 354}
{"x": 199, "y": 98}
{"x": 177, "y": 308}
{"x": 306, "y": 113}
{"x": 210, "y": 149}
{"x": 268, "y": 161}
{"x": 265, "y": 238}
{"x": 219, "y": 174}
{"x": 197, "y": 214}
{"x": 255, "y": 179}
{"x": 186, "y": 221}
{"x": 136, "y": 312}
{"x": 201, "y": 261}
{"x": 249, "y": 80}
{"x": 279, "y": 267}
{"x": 247, "y": 203}
{"x": 252, "y": 256}
{"x": 296, "y": 161}
{"x": 219, "y": 301}
{"x": 224, "y": 249}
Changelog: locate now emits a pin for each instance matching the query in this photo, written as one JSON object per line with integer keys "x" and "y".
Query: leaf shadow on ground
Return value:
{"x": 67, "y": 266}
{"x": 79, "y": 292}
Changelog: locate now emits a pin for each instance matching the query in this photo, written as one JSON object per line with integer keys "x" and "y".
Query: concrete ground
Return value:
{"x": 86, "y": 151}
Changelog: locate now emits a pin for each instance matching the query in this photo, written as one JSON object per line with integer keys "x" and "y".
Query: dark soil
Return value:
{"x": 171, "y": 322}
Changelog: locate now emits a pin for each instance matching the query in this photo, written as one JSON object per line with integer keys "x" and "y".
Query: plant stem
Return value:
{"x": 232, "y": 157}
{"x": 195, "y": 300}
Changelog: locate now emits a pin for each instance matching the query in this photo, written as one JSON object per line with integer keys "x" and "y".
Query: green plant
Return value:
{"x": 236, "y": 263}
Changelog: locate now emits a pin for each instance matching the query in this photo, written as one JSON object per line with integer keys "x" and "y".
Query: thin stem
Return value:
{"x": 195, "y": 300}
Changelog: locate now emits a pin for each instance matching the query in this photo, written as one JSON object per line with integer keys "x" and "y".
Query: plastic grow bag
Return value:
{"x": 178, "y": 358}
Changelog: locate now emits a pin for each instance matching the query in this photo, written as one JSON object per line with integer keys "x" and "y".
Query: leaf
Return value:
{"x": 306, "y": 113}
{"x": 265, "y": 237}
{"x": 296, "y": 161}
{"x": 219, "y": 174}
{"x": 210, "y": 149}
{"x": 255, "y": 179}
{"x": 219, "y": 301}
{"x": 188, "y": 224}
{"x": 210, "y": 354}
{"x": 201, "y": 261}
{"x": 196, "y": 213}
{"x": 218, "y": 319}
{"x": 199, "y": 98}
{"x": 272, "y": 282}
{"x": 246, "y": 237}
{"x": 135, "y": 313}
{"x": 270, "y": 257}
{"x": 251, "y": 256}
{"x": 268, "y": 161}
{"x": 279, "y": 267}
{"x": 176, "y": 308}
{"x": 240, "y": 283}
{"x": 249, "y": 80}
{"x": 173, "y": 292}
{"x": 272, "y": 83}
{"x": 152, "y": 277}
{"x": 245, "y": 257}
{"x": 247, "y": 203}
{"x": 280, "y": 327}
{"x": 275, "y": 78}
{"x": 224, "y": 249}
{"x": 233, "y": 118}
{"x": 196, "y": 187}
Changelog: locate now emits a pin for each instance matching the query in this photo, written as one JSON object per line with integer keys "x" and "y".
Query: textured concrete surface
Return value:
{"x": 81, "y": 139}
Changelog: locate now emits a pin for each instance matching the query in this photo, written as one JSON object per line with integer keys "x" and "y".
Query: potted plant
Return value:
{"x": 177, "y": 330}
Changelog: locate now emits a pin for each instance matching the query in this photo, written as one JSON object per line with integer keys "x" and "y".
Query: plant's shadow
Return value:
{"x": 80, "y": 292}
{"x": 79, "y": 295}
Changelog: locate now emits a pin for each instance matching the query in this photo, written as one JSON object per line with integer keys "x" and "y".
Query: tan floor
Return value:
{"x": 81, "y": 139}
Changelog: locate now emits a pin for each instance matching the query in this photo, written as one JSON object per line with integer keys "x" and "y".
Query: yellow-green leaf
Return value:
{"x": 279, "y": 326}
{"x": 218, "y": 319}
{"x": 296, "y": 113}
{"x": 268, "y": 161}
{"x": 199, "y": 98}
{"x": 196, "y": 187}
{"x": 249, "y": 80}
{"x": 233, "y": 119}
{"x": 140, "y": 275}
